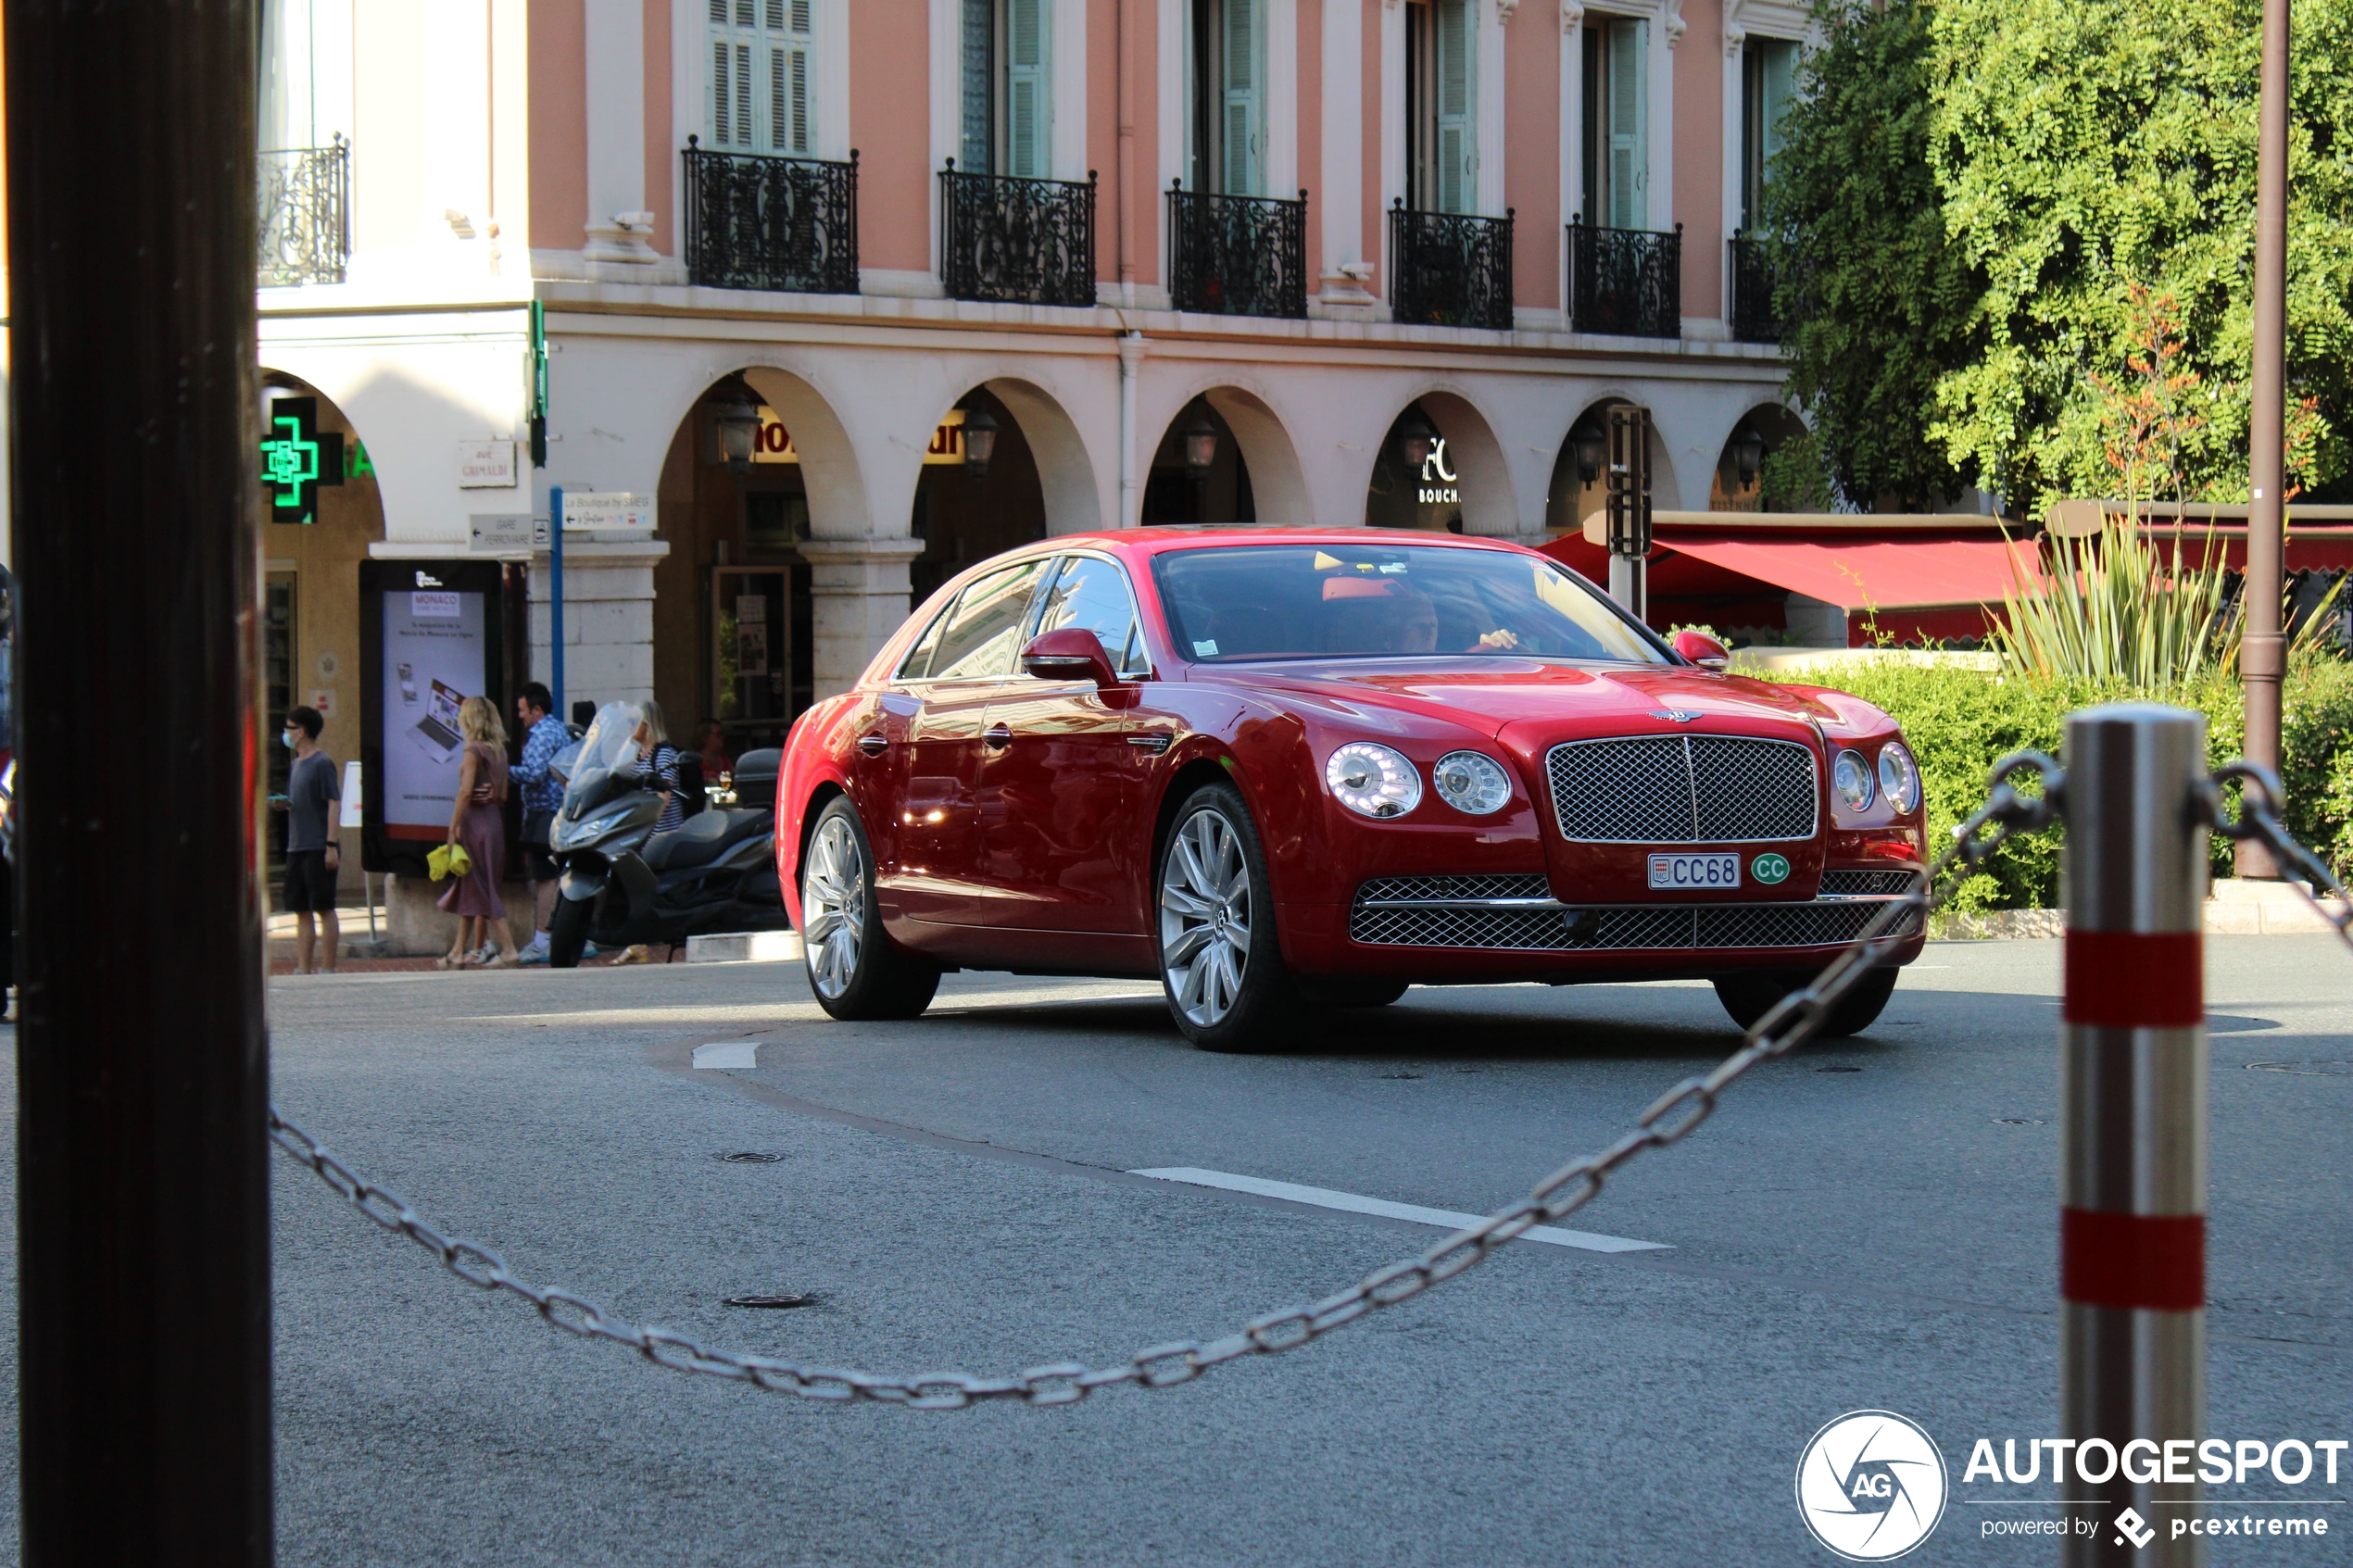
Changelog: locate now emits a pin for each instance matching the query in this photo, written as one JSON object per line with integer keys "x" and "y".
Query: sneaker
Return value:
{"x": 532, "y": 956}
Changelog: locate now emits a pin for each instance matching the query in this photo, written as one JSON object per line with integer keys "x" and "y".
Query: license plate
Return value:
{"x": 1695, "y": 871}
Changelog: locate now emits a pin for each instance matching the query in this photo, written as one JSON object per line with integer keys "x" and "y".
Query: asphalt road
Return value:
{"x": 1868, "y": 1224}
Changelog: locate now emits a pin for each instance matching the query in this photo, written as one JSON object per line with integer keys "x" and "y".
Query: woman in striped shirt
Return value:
{"x": 658, "y": 764}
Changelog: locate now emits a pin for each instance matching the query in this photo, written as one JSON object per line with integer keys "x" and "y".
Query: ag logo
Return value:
{"x": 1871, "y": 1485}
{"x": 1771, "y": 869}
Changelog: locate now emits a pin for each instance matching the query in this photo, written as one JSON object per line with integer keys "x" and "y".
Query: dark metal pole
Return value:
{"x": 144, "y": 1301}
{"x": 2262, "y": 657}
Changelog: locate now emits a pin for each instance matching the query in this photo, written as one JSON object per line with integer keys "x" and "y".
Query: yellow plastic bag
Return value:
{"x": 450, "y": 861}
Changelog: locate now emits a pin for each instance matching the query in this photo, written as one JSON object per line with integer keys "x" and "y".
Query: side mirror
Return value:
{"x": 1070, "y": 653}
{"x": 1702, "y": 651}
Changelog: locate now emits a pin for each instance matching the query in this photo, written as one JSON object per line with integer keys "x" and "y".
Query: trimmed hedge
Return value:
{"x": 1959, "y": 722}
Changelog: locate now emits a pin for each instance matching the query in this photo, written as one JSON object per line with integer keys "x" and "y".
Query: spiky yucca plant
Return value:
{"x": 2120, "y": 607}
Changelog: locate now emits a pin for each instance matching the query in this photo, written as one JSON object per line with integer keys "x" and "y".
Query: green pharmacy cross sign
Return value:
{"x": 297, "y": 459}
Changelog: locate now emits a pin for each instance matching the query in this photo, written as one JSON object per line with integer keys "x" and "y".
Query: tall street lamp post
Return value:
{"x": 2262, "y": 651}
{"x": 143, "y": 1063}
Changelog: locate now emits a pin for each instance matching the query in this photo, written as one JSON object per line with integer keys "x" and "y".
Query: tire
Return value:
{"x": 568, "y": 932}
{"x": 1749, "y": 996}
{"x": 1220, "y": 965}
{"x": 856, "y": 971}
{"x": 1351, "y": 992}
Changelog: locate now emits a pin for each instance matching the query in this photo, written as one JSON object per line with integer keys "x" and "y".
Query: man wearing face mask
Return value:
{"x": 314, "y": 786}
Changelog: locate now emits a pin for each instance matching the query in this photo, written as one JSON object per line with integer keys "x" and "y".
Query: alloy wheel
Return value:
{"x": 833, "y": 902}
{"x": 1204, "y": 917}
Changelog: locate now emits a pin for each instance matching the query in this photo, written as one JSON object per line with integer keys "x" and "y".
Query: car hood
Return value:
{"x": 1487, "y": 694}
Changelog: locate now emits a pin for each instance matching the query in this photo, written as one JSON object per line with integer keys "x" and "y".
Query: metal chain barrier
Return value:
{"x": 2259, "y": 819}
{"x": 1672, "y": 1117}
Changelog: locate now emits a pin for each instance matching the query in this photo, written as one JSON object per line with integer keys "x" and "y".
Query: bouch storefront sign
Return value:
{"x": 775, "y": 442}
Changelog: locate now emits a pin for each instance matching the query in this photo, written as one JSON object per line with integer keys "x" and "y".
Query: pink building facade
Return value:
{"x": 1194, "y": 260}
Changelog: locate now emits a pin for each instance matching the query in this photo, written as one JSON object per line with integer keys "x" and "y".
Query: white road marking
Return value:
{"x": 1325, "y": 1198}
{"x": 728, "y": 1054}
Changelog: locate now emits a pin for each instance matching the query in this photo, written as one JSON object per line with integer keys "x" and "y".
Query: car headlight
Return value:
{"x": 1899, "y": 776}
{"x": 1373, "y": 781}
{"x": 1851, "y": 776}
{"x": 1472, "y": 783}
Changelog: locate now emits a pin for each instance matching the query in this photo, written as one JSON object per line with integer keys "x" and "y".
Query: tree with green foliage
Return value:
{"x": 1878, "y": 300}
{"x": 1973, "y": 194}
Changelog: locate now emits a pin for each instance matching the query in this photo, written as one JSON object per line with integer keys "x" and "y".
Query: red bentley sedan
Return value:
{"x": 1284, "y": 768}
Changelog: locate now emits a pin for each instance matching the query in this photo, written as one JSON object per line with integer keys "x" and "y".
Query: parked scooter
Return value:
{"x": 622, "y": 884}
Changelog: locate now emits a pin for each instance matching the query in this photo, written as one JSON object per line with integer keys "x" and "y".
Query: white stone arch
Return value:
{"x": 1278, "y": 478}
{"x": 1666, "y": 488}
{"x": 1474, "y": 452}
{"x": 1773, "y": 419}
{"x": 1066, "y": 476}
{"x": 840, "y": 506}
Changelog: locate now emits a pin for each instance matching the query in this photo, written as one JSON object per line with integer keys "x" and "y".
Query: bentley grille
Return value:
{"x": 1683, "y": 789}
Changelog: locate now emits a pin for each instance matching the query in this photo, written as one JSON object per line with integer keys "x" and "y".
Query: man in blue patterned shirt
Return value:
{"x": 543, "y": 793}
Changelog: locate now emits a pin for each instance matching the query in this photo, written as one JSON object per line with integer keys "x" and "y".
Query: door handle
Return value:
{"x": 997, "y": 736}
{"x": 873, "y": 745}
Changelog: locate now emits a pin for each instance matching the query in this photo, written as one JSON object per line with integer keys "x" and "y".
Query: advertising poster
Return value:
{"x": 435, "y": 655}
{"x": 434, "y": 637}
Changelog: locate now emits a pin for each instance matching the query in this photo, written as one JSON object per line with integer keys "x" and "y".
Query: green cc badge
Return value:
{"x": 1769, "y": 869}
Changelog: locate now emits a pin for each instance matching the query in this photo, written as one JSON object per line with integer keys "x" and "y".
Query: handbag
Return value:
{"x": 450, "y": 861}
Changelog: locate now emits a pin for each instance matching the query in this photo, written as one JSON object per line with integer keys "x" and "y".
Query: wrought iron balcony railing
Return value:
{"x": 305, "y": 214}
{"x": 1023, "y": 241}
{"x": 756, "y": 221}
{"x": 1237, "y": 256}
{"x": 1449, "y": 269}
{"x": 1755, "y": 320}
{"x": 1625, "y": 281}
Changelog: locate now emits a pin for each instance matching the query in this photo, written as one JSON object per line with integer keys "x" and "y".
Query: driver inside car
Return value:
{"x": 1373, "y": 615}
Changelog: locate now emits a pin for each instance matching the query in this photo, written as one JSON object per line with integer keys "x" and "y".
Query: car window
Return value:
{"x": 1380, "y": 600}
{"x": 918, "y": 660}
{"x": 1092, "y": 593}
{"x": 983, "y": 632}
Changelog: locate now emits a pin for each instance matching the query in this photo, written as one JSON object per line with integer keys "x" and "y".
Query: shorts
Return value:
{"x": 537, "y": 864}
{"x": 310, "y": 885}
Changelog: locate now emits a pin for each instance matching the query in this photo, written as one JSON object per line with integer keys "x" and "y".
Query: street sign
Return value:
{"x": 607, "y": 509}
{"x": 297, "y": 459}
{"x": 504, "y": 533}
{"x": 485, "y": 465}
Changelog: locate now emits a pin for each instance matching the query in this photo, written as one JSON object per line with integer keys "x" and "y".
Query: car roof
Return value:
{"x": 1161, "y": 538}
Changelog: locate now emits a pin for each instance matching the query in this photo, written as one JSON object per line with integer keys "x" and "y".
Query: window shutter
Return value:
{"x": 1778, "y": 85}
{"x": 759, "y": 76}
{"x": 1628, "y": 180}
{"x": 1244, "y": 129}
{"x": 1457, "y": 142}
{"x": 978, "y": 71}
{"x": 1029, "y": 91}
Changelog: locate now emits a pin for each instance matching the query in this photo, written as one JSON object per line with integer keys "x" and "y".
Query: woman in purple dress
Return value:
{"x": 477, "y": 822}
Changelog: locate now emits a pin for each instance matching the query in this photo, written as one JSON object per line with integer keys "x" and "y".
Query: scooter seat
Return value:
{"x": 702, "y": 839}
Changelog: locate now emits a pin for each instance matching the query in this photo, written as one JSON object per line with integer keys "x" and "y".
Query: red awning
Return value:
{"x": 1870, "y": 573}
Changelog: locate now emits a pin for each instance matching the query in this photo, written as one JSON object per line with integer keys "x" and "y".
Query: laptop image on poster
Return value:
{"x": 437, "y": 731}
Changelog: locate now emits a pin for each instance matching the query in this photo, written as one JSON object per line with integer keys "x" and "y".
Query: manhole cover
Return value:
{"x": 2022, "y": 1121}
{"x": 750, "y": 1157}
{"x": 2310, "y": 1068}
{"x": 789, "y": 1298}
{"x": 1838, "y": 1070}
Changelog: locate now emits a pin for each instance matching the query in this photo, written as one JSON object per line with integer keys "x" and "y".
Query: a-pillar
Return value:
{"x": 859, "y": 591}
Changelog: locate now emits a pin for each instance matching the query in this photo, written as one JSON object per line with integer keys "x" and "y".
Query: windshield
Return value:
{"x": 605, "y": 747}
{"x": 1378, "y": 600}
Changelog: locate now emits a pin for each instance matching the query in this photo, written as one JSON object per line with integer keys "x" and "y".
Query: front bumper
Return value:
{"x": 1493, "y": 927}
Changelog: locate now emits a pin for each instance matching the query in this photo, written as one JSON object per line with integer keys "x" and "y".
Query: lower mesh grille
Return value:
{"x": 1488, "y": 884}
{"x": 1884, "y": 885}
{"x": 1664, "y": 927}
